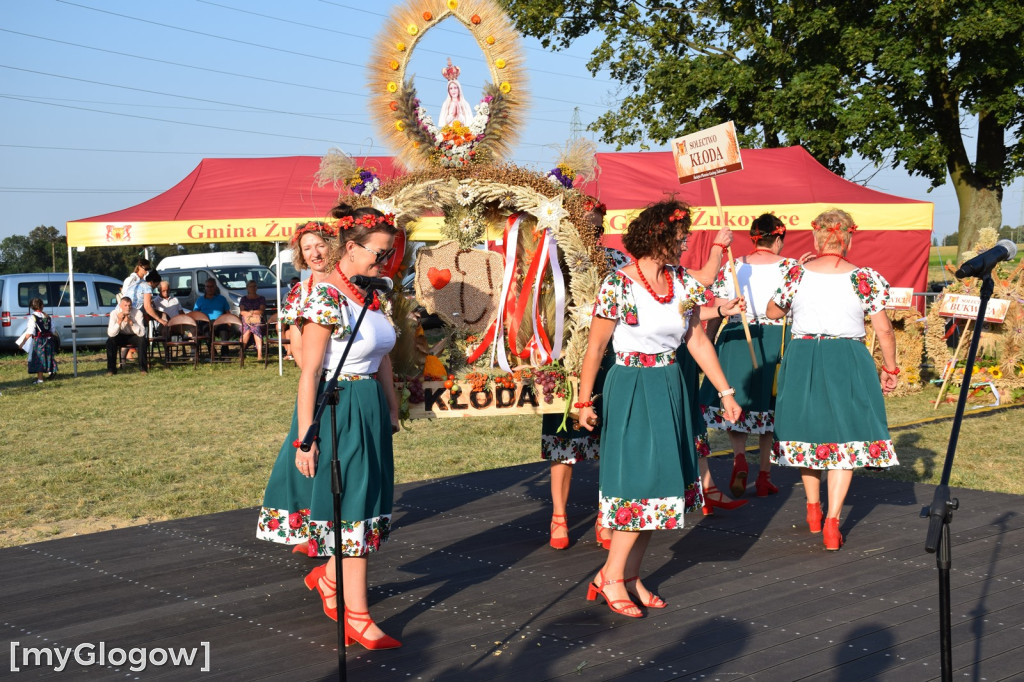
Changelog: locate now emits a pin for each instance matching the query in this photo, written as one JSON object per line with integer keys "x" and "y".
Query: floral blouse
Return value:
{"x": 832, "y": 304}
{"x": 293, "y": 303}
{"x": 644, "y": 328}
{"x": 758, "y": 282}
{"x": 376, "y": 336}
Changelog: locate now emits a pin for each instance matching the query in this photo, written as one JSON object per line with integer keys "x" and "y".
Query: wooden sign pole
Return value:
{"x": 735, "y": 280}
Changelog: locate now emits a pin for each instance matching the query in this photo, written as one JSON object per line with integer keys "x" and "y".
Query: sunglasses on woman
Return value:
{"x": 380, "y": 257}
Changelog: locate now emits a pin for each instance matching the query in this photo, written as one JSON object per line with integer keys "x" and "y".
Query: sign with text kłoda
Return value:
{"x": 710, "y": 152}
{"x": 958, "y": 305}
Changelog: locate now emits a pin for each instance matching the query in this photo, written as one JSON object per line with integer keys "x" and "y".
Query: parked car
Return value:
{"x": 287, "y": 268}
{"x": 213, "y": 259}
{"x": 187, "y": 284}
{"x": 95, "y": 297}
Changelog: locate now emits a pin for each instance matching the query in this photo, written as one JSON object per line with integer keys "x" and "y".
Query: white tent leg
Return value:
{"x": 74, "y": 320}
{"x": 280, "y": 346}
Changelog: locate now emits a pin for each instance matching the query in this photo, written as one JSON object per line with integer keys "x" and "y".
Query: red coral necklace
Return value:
{"x": 764, "y": 251}
{"x": 660, "y": 299}
{"x": 356, "y": 295}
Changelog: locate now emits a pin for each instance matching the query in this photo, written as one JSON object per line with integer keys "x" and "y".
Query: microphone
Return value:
{"x": 982, "y": 264}
{"x": 378, "y": 283}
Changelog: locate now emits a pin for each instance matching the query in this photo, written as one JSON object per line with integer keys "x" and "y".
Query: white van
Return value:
{"x": 95, "y": 297}
{"x": 287, "y": 268}
{"x": 214, "y": 259}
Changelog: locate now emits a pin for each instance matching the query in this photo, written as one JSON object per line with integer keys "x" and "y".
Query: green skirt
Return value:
{"x": 753, "y": 387}
{"x": 830, "y": 413}
{"x": 691, "y": 379}
{"x": 648, "y": 469}
{"x": 297, "y": 509}
{"x": 574, "y": 444}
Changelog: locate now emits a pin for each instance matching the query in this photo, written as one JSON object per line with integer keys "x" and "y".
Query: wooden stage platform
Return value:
{"x": 470, "y": 586}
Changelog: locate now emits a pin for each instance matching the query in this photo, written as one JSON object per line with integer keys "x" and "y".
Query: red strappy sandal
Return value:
{"x": 655, "y": 602}
{"x": 351, "y": 635}
{"x": 593, "y": 590}
{"x": 317, "y": 580}
{"x": 559, "y": 543}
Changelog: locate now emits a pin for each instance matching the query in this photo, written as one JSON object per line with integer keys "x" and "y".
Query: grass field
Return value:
{"x": 95, "y": 452}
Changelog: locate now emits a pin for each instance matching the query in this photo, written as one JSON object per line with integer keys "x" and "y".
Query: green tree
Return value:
{"x": 891, "y": 81}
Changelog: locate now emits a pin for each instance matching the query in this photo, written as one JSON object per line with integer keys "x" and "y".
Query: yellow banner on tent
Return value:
{"x": 210, "y": 231}
{"x": 905, "y": 216}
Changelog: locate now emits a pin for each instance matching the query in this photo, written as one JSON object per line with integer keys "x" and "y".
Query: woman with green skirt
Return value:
{"x": 830, "y": 413}
{"x": 649, "y": 475}
{"x": 759, "y": 274}
{"x": 366, "y": 418}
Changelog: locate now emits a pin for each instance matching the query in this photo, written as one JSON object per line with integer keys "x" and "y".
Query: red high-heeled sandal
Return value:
{"x": 832, "y": 537}
{"x": 655, "y": 602}
{"x": 559, "y": 543}
{"x": 329, "y": 588}
{"x": 605, "y": 543}
{"x": 738, "y": 480}
{"x": 710, "y": 504}
{"x": 814, "y": 517}
{"x": 593, "y": 590}
{"x": 764, "y": 486}
{"x": 351, "y": 635}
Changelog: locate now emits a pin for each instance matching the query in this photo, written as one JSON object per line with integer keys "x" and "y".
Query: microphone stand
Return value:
{"x": 940, "y": 513}
{"x": 330, "y": 397}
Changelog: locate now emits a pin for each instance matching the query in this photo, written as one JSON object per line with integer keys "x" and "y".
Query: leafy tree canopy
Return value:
{"x": 892, "y": 81}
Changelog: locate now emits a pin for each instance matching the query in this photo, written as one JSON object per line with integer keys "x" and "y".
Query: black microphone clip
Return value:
{"x": 373, "y": 283}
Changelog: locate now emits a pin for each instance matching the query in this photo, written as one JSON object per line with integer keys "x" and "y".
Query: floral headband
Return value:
{"x": 835, "y": 228}
{"x": 315, "y": 226}
{"x": 367, "y": 220}
{"x": 592, "y": 205}
{"x": 679, "y": 214}
{"x": 779, "y": 230}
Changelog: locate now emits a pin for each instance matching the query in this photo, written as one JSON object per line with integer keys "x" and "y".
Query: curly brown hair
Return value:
{"x": 654, "y": 233}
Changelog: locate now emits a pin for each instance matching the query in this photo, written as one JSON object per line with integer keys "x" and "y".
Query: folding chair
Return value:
{"x": 181, "y": 341}
{"x": 271, "y": 340}
{"x": 234, "y": 326}
{"x": 204, "y": 334}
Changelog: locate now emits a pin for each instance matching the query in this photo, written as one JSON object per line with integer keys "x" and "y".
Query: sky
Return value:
{"x": 107, "y": 103}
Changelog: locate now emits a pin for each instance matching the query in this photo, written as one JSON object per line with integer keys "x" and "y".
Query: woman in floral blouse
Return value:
{"x": 310, "y": 244}
{"x": 830, "y": 414}
{"x": 367, "y": 415}
{"x": 759, "y": 274}
{"x": 648, "y": 464}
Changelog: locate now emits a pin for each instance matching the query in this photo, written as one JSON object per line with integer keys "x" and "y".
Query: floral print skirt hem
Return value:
{"x": 850, "y": 455}
{"x": 652, "y": 513}
{"x": 564, "y": 450}
{"x": 702, "y": 445}
{"x": 358, "y": 538}
{"x": 750, "y": 422}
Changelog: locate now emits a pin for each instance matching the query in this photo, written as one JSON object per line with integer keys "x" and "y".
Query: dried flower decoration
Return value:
{"x": 591, "y": 205}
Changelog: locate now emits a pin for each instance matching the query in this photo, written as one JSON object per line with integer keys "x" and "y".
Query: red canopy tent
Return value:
{"x": 893, "y": 235}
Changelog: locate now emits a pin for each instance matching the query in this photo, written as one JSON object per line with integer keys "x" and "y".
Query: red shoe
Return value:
{"x": 351, "y": 635}
{"x": 594, "y": 589}
{"x": 710, "y": 504}
{"x": 738, "y": 480}
{"x": 317, "y": 580}
{"x": 655, "y": 602}
{"x": 832, "y": 537}
{"x": 301, "y": 548}
{"x": 764, "y": 486}
{"x": 814, "y": 517}
{"x": 605, "y": 543}
{"x": 559, "y": 543}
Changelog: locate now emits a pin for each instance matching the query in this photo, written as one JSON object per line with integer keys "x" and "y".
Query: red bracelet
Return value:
{"x": 296, "y": 443}
{"x": 892, "y": 373}
{"x": 585, "y": 403}
{"x": 720, "y": 244}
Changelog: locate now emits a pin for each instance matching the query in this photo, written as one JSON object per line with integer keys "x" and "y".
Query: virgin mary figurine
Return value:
{"x": 455, "y": 107}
